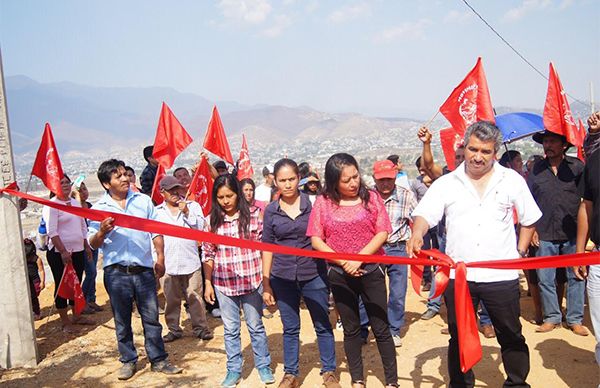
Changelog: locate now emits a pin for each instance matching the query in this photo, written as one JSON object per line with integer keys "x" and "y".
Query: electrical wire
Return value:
{"x": 515, "y": 50}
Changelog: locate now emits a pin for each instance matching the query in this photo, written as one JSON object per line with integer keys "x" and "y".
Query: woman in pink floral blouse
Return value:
{"x": 350, "y": 218}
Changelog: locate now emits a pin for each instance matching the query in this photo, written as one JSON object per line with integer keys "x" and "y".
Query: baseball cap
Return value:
{"x": 169, "y": 182}
{"x": 384, "y": 169}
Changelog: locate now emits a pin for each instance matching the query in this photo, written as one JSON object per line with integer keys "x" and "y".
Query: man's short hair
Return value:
{"x": 179, "y": 169}
{"x": 107, "y": 168}
{"x": 148, "y": 152}
{"x": 129, "y": 168}
{"x": 393, "y": 158}
{"x": 486, "y": 132}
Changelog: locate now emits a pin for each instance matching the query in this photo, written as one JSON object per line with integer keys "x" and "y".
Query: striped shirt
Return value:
{"x": 399, "y": 207}
{"x": 236, "y": 271}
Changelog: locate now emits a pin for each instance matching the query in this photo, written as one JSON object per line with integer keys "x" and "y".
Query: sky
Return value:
{"x": 381, "y": 58}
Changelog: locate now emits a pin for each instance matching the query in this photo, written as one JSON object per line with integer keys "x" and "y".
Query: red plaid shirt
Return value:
{"x": 236, "y": 271}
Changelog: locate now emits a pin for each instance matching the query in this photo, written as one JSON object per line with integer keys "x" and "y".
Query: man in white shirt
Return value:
{"x": 263, "y": 191}
{"x": 478, "y": 199}
{"x": 183, "y": 277}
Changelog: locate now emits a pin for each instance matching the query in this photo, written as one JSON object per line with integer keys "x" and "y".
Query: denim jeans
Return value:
{"x": 484, "y": 316}
{"x": 315, "y": 293}
{"x": 230, "y": 314}
{"x": 398, "y": 277}
{"x": 575, "y": 288}
{"x": 434, "y": 304}
{"x": 123, "y": 289}
{"x": 593, "y": 290}
{"x": 89, "y": 281}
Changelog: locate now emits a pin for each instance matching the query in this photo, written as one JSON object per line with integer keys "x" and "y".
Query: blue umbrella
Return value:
{"x": 515, "y": 126}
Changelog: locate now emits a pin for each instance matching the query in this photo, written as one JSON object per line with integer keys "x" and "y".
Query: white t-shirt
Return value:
{"x": 480, "y": 229}
{"x": 263, "y": 193}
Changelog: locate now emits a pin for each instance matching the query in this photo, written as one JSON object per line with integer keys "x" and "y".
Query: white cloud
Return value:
{"x": 349, "y": 12}
{"x": 312, "y": 6}
{"x": 406, "y": 31}
{"x": 281, "y": 23}
{"x": 245, "y": 11}
{"x": 458, "y": 17}
{"x": 528, "y": 6}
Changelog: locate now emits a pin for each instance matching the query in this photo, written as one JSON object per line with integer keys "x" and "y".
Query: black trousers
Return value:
{"x": 502, "y": 302}
{"x": 57, "y": 267}
{"x": 371, "y": 288}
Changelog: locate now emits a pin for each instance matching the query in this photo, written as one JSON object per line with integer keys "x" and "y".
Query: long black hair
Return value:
{"x": 333, "y": 171}
{"x": 217, "y": 215}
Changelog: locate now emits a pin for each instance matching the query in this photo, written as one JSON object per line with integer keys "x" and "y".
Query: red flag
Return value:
{"x": 557, "y": 112}
{"x": 450, "y": 142}
{"x": 156, "y": 195}
{"x": 581, "y": 137}
{"x": 69, "y": 288}
{"x": 47, "y": 165}
{"x": 469, "y": 102}
{"x": 201, "y": 187}
{"x": 171, "y": 138}
{"x": 245, "y": 169}
{"x": 215, "y": 140}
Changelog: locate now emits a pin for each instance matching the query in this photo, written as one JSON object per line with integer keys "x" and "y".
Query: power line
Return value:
{"x": 514, "y": 49}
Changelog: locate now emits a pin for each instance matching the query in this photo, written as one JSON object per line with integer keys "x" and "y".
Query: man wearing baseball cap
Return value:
{"x": 183, "y": 275}
{"x": 399, "y": 203}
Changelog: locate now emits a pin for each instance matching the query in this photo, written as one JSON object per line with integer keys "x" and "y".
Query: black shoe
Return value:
{"x": 206, "y": 335}
{"x": 165, "y": 367}
{"x": 427, "y": 315}
{"x": 127, "y": 371}
{"x": 170, "y": 337}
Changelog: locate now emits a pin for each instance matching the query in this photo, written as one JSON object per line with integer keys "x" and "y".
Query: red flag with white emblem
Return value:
{"x": 200, "y": 189}
{"x": 469, "y": 102}
{"x": 557, "y": 112}
{"x": 245, "y": 169}
{"x": 450, "y": 142}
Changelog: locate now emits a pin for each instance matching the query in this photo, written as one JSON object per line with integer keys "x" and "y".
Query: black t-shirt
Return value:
{"x": 590, "y": 190}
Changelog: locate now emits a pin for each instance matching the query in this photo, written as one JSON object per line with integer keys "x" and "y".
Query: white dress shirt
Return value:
{"x": 480, "y": 229}
{"x": 181, "y": 255}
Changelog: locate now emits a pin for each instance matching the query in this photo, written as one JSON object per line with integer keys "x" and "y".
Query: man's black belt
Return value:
{"x": 395, "y": 244}
{"x": 130, "y": 269}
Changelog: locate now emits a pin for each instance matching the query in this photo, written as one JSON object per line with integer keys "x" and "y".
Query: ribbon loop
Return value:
{"x": 468, "y": 338}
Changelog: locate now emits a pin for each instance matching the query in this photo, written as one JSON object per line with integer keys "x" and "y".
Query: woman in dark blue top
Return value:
{"x": 287, "y": 278}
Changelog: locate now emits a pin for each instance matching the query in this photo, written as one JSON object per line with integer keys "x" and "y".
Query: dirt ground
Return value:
{"x": 89, "y": 358}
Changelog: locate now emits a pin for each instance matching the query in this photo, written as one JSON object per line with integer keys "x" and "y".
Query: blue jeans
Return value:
{"x": 123, "y": 289}
{"x": 398, "y": 276}
{"x": 484, "y": 316}
{"x": 575, "y": 288}
{"x": 434, "y": 304}
{"x": 230, "y": 314}
{"x": 89, "y": 281}
{"x": 315, "y": 293}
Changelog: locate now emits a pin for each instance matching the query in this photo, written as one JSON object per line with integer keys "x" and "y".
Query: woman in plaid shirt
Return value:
{"x": 234, "y": 276}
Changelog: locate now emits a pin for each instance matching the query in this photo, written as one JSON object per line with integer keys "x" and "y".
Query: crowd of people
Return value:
{"x": 491, "y": 206}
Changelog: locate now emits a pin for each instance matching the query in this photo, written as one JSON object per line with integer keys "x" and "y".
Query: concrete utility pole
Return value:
{"x": 17, "y": 333}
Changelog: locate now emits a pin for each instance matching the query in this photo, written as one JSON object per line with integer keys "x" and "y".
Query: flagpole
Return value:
{"x": 431, "y": 119}
{"x": 28, "y": 184}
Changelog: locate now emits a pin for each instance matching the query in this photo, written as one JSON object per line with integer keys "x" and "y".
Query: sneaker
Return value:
{"x": 170, "y": 337}
{"x": 206, "y": 335}
{"x": 397, "y": 341}
{"x": 126, "y": 371}
{"x": 330, "y": 380}
{"x": 266, "y": 375}
{"x": 231, "y": 379}
{"x": 216, "y": 313}
{"x": 165, "y": 367}
{"x": 338, "y": 325}
{"x": 88, "y": 310}
{"x": 427, "y": 315}
{"x": 289, "y": 381}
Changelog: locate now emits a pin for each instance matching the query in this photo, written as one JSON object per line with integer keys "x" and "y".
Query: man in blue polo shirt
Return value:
{"x": 128, "y": 268}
